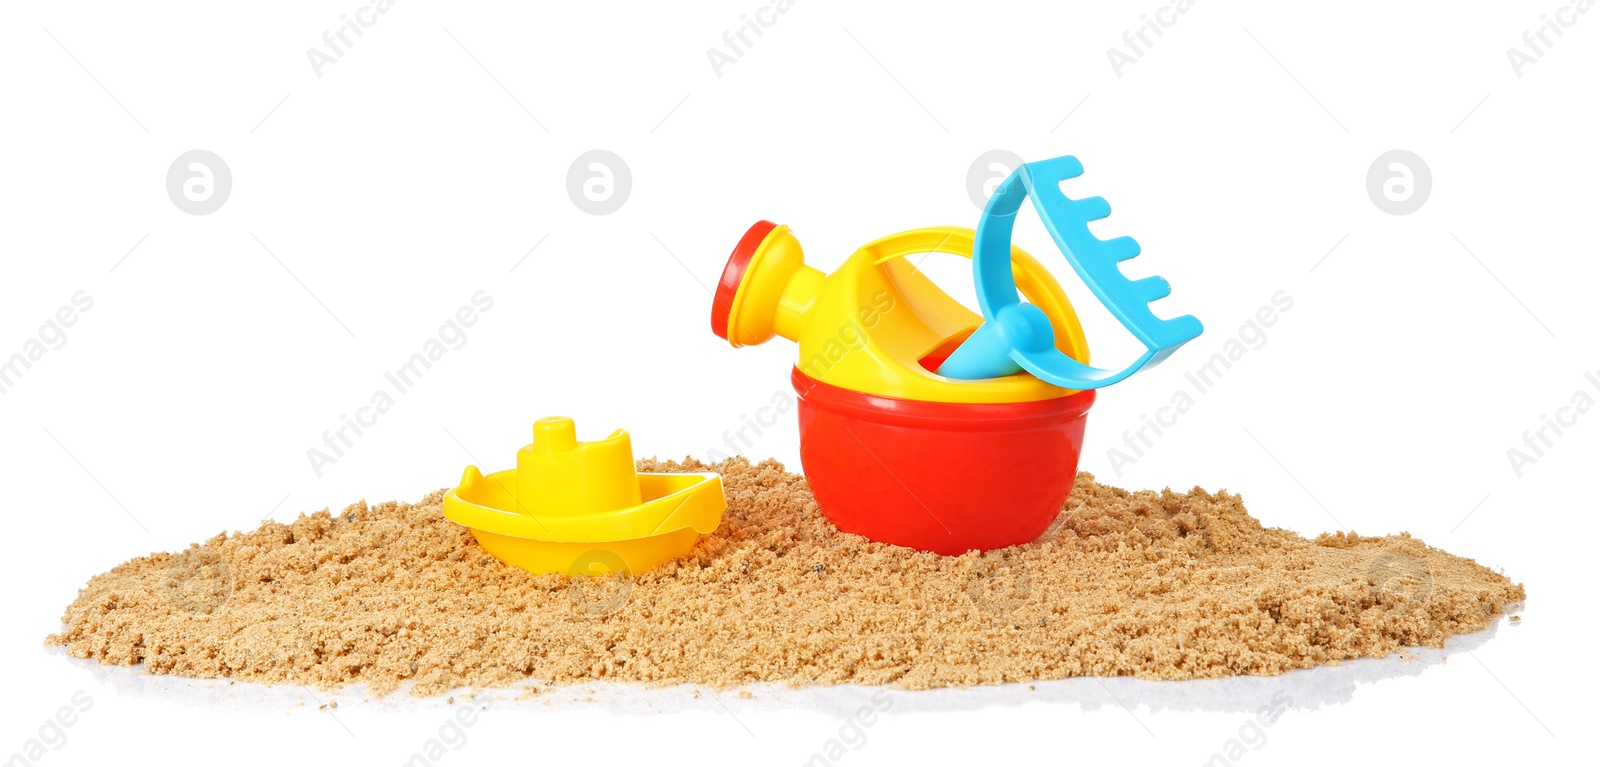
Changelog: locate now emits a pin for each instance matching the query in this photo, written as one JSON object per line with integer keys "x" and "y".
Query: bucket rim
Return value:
{"x": 942, "y": 416}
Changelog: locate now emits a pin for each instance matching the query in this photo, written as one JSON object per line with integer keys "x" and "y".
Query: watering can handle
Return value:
{"x": 1017, "y": 336}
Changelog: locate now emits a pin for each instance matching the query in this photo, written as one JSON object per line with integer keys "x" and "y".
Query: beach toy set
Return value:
{"x": 922, "y": 423}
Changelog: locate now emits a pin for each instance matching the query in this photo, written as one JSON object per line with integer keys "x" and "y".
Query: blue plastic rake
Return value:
{"x": 1017, "y": 336}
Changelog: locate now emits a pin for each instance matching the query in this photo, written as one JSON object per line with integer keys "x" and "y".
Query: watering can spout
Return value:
{"x": 878, "y": 325}
{"x": 766, "y": 288}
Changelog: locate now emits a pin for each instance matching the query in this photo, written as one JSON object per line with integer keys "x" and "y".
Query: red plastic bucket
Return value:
{"x": 939, "y": 476}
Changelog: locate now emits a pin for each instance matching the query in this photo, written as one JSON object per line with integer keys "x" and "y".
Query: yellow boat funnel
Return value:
{"x": 558, "y": 475}
{"x": 569, "y": 504}
{"x": 876, "y": 324}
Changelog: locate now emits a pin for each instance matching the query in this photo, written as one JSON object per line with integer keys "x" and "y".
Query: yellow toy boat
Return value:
{"x": 568, "y": 504}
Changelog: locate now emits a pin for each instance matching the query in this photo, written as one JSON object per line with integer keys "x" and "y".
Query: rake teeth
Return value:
{"x": 1094, "y": 259}
{"x": 1060, "y": 168}
{"x": 1151, "y": 288}
{"x": 1186, "y": 326}
{"x": 1091, "y": 209}
{"x": 1119, "y": 249}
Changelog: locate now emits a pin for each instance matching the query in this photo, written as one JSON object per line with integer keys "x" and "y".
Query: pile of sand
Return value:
{"x": 1158, "y": 585}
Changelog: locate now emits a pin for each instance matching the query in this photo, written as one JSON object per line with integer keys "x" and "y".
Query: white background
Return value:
{"x": 373, "y": 201}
